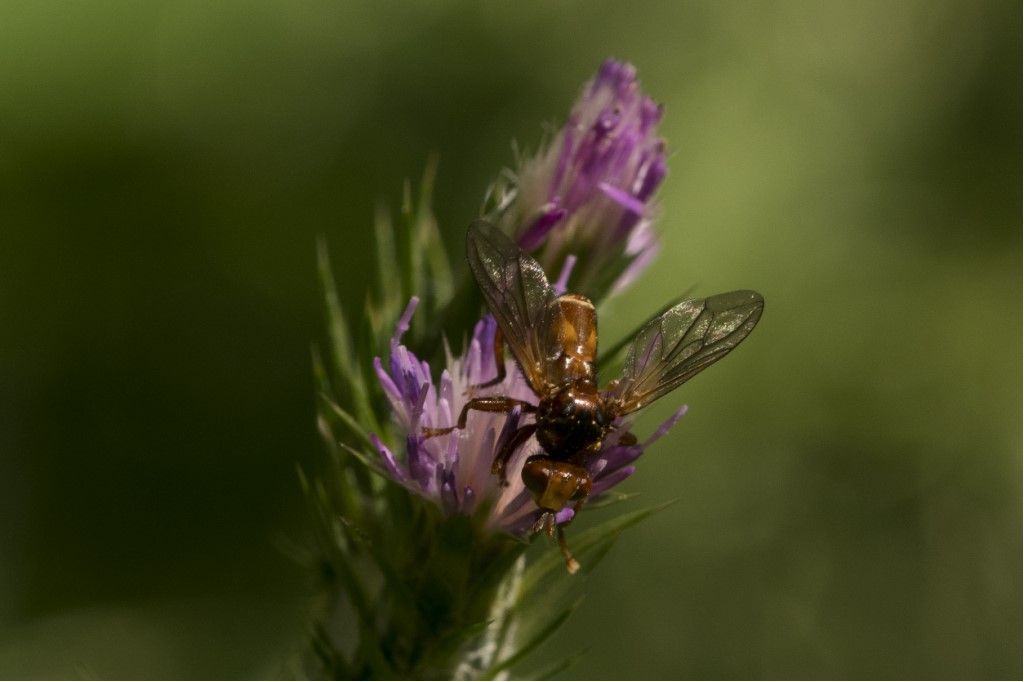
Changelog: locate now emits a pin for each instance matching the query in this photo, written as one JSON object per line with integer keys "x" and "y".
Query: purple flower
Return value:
{"x": 455, "y": 469}
{"x": 591, "y": 191}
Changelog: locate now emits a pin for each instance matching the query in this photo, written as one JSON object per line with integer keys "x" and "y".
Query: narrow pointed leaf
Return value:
{"x": 387, "y": 258}
{"x": 538, "y": 638}
{"x": 350, "y": 422}
{"x": 608, "y": 499}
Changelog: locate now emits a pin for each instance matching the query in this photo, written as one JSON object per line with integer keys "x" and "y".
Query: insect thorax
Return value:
{"x": 571, "y": 421}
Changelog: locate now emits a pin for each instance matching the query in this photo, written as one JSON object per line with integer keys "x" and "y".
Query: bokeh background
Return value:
{"x": 848, "y": 483}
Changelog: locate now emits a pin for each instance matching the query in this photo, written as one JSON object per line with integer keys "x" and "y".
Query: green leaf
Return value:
{"x": 499, "y": 195}
{"x": 389, "y": 296}
{"x": 437, "y": 287}
{"x": 337, "y": 329}
{"x": 411, "y": 258}
{"x": 426, "y": 195}
{"x": 456, "y": 638}
{"x": 501, "y": 594}
{"x": 397, "y": 582}
{"x": 330, "y": 658}
{"x": 342, "y": 348}
{"x": 538, "y": 638}
{"x": 331, "y": 408}
{"x": 369, "y": 462}
{"x": 347, "y": 482}
{"x": 320, "y": 378}
{"x": 439, "y": 278}
{"x": 608, "y": 499}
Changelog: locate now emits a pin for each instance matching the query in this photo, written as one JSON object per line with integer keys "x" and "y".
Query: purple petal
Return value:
{"x": 388, "y": 459}
{"x": 565, "y": 154}
{"x": 511, "y": 425}
{"x": 550, "y": 216}
{"x": 404, "y": 372}
{"x": 445, "y": 395}
{"x": 564, "y": 516}
{"x": 607, "y": 121}
{"x": 650, "y": 176}
{"x": 650, "y": 114}
{"x": 402, "y": 326}
{"x": 562, "y": 283}
{"x": 624, "y": 199}
{"x": 385, "y": 381}
{"x": 665, "y": 426}
{"x": 518, "y": 502}
{"x": 417, "y": 407}
{"x": 446, "y": 485}
{"x": 601, "y": 176}
{"x": 468, "y": 500}
{"x": 614, "y": 75}
{"x": 612, "y": 480}
{"x": 640, "y": 262}
{"x": 421, "y": 465}
{"x": 615, "y": 458}
{"x": 480, "y": 363}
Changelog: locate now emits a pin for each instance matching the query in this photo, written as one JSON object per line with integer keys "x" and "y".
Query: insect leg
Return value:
{"x": 543, "y": 521}
{"x": 499, "y": 361}
{"x": 495, "y": 403}
{"x": 521, "y": 435}
{"x": 571, "y": 564}
{"x": 546, "y": 523}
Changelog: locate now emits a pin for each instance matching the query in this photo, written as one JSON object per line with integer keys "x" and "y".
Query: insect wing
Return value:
{"x": 517, "y": 293}
{"x": 687, "y": 338}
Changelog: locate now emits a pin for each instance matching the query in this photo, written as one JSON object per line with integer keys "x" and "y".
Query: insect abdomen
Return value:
{"x": 574, "y": 332}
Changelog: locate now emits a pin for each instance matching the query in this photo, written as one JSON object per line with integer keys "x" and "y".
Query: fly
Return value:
{"x": 554, "y": 341}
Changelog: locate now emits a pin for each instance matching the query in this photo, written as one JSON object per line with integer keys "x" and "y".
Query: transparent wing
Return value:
{"x": 517, "y": 293}
{"x": 687, "y": 338}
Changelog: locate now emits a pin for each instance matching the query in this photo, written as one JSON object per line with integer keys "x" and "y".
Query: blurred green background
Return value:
{"x": 849, "y": 482}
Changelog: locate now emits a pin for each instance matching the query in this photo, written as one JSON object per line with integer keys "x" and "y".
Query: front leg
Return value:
{"x": 521, "y": 435}
{"x": 494, "y": 403}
